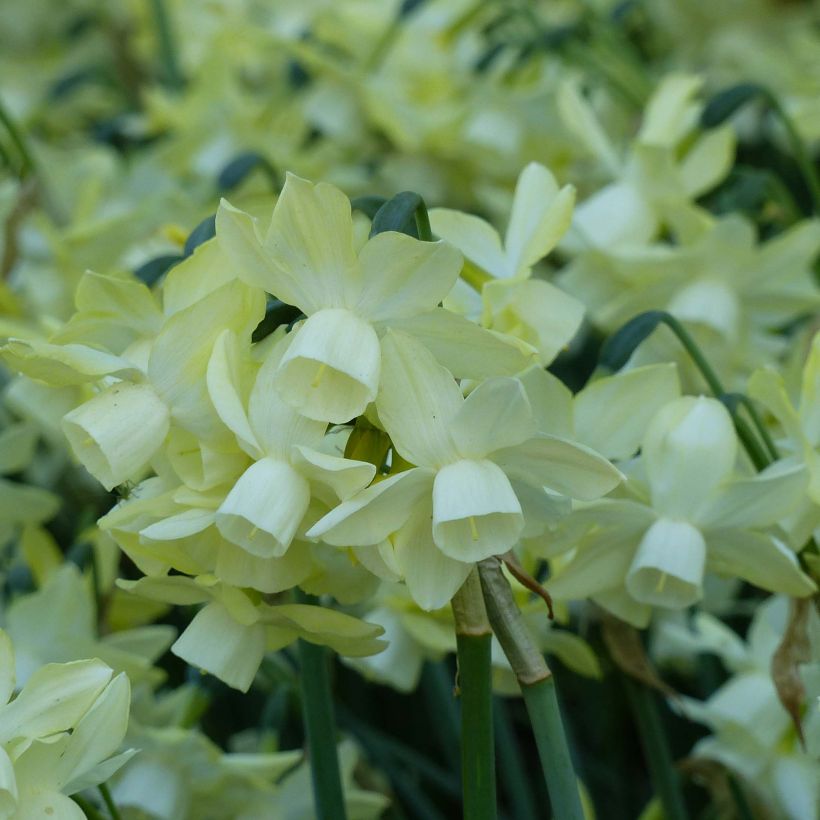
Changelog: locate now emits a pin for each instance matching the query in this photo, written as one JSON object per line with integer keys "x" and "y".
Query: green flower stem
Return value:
{"x": 545, "y": 715}
{"x": 89, "y": 810}
{"x": 656, "y": 750}
{"x": 474, "y": 641}
{"x": 320, "y": 728}
{"x": 511, "y": 765}
{"x": 109, "y": 802}
{"x": 744, "y": 810}
{"x": 167, "y": 46}
{"x": 756, "y": 453}
{"x": 28, "y": 164}
{"x": 799, "y": 151}
{"x": 538, "y": 688}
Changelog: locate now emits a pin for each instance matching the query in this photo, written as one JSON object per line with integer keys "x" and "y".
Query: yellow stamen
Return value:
{"x": 252, "y": 533}
{"x": 88, "y": 441}
{"x": 473, "y": 529}
{"x": 661, "y": 583}
{"x": 319, "y": 373}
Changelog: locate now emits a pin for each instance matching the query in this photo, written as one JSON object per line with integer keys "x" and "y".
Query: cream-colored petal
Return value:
{"x": 475, "y": 238}
{"x": 238, "y": 238}
{"x": 611, "y": 414}
{"x": 759, "y": 559}
{"x": 402, "y": 276}
{"x": 560, "y": 465}
{"x": 373, "y": 514}
{"x": 689, "y": 449}
{"x": 535, "y": 312}
{"x": 496, "y": 414}
{"x": 263, "y": 511}
{"x": 331, "y": 370}
{"x": 541, "y": 215}
{"x": 310, "y": 240}
{"x": 761, "y": 501}
{"x": 216, "y": 642}
{"x": 476, "y": 514}
{"x": 667, "y": 570}
{"x": 465, "y": 349}
{"x": 432, "y": 577}
{"x": 344, "y": 476}
{"x": 417, "y": 400}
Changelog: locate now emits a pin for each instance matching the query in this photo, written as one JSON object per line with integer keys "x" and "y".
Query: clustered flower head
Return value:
{"x": 311, "y": 418}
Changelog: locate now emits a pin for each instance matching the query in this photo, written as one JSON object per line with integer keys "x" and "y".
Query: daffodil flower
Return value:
{"x": 230, "y": 635}
{"x": 264, "y": 509}
{"x": 460, "y": 503}
{"x": 632, "y": 555}
{"x": 58, "y": 735}
{"x": 530, "y": 309}
{"x": 331, "y": 370}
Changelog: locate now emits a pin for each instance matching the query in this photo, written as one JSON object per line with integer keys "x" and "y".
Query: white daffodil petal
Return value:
{"x": 98, "y": 734}
{"x": 417, "y": 400}
{"x": 540, "y": 216}
{"x": 179, "y": 357}
{"x": 689, "y": 449}
{"x": 48, "y": 804}
{"x": 667, "y": 570}
{"x": 475, "y": 238}
{"x": 759, "y": 559}
{"x": 465, "y": 349}
{"x": 55, "y": 697}
{"x": 237, "y": 237}
{"x": 403, "y": 276}
{"x": 331, "y": 370}
{"x": 562, "y": 466}
{"x": 342, "y": 475}
{"x": 237, "y": 567}
{"x": 265, "y": 507}
{"x": 757, "y": 502}
{"x": 8, "y": 786}
{"x": 373, "y": 514}
{"x": 217, "y": 643}
{"x": 551, "y": 402}
{"x": 496, "y": 414}
{"x": 432, "y": 577}
{"x": 182, "y": 525}
{"x": 62, "y": 365}
{"x": 115, "y": 434}
{"x": 224, "y": 379}
{"x": 600, "y": 563}
{"x": 275, "y": 424}
{"x": 535, "y": 312}
{"x": 476, "y": 514}
{"x": 311, "y": 240}
{"x": 611, "y": 414}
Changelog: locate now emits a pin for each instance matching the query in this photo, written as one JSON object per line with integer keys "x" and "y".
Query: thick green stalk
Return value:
{"x": 538, "y": 688}
{"x": 511, "y": 765}
{"x": 656, "y": 750}
{"x": 545, "y": 715}
{"x": 320, "y": 728}
{"x": 474, "y": 640}
{"x": 109, "y": 802}
{"x": 88, "y": 809}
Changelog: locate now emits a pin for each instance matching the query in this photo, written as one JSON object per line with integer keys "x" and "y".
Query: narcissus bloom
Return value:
{"x": 58, "y": 735}
{"x": 307, "y": 258}
{"x": 513, "y": 302}
{"x": 632, "y": 555}
{"x": 478, "y": 460}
